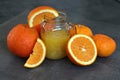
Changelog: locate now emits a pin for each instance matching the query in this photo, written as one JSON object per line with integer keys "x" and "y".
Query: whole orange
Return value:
{"x": 105, "y": 45}
{"x": 21, "y": 40}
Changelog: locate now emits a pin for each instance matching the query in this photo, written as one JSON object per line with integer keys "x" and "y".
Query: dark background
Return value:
{"x": 102, "y": 16}
{"x": 93, "y": 9}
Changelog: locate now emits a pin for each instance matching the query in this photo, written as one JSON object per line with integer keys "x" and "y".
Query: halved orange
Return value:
{"x": 81, "y": 50}
{"x": 39, "y": 14}
{"x": 38, "y": 55}
{"x": 80, "y": 29}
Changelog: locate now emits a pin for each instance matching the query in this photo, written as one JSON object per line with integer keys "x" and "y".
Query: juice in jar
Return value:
{"x": 55, "y": 42}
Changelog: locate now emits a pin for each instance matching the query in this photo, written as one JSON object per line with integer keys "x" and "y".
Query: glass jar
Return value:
{"x": 55, "y": 35}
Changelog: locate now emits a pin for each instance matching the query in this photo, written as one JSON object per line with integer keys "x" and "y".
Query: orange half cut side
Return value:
{"x": 39, "y": 14}
{"x": 81, "y": 50}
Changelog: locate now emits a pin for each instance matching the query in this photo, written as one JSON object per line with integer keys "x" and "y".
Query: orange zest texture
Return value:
{"x": 106, "y": 45}
{"x": 80, "y": 29}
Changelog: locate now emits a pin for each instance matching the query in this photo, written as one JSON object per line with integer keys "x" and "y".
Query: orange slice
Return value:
{"x": 38, "y": 55}
{"x": 80, "y": 29}
{"x": 39, "y": 14}
{"x": 81, "y": 50}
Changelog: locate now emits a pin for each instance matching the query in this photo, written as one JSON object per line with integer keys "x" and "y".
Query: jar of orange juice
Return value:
{"x": 55, "y": 35}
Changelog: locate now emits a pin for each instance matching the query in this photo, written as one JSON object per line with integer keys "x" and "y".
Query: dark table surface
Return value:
{"x": 102, "y": 16}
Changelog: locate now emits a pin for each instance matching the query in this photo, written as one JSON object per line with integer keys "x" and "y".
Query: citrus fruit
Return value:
{"x": 81, "y": 50}
{"x": 21, "y": 40}
{"x": 105, "y": 45}
{"x": 39, "y": 14}
{"x": 80, "y": 29}
{"x": 37, "y": 56}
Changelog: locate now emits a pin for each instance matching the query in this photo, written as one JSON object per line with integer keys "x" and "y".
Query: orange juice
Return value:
{"x": 55, "y": 35}
{"x": 55, "y": 42}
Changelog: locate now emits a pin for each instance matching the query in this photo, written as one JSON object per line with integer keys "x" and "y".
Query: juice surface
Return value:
{"x": 55, "y": 42}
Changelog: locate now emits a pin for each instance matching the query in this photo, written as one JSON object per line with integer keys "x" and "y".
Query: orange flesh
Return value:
{"x": 45, "y": 15}
{"x": 83, "y": 49}
{"x": 36, "y": 55}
